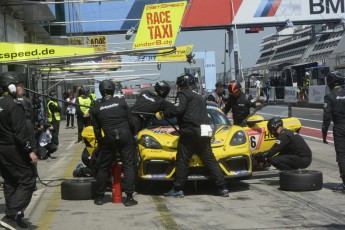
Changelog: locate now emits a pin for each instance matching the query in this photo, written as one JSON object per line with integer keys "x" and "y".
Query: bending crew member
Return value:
{"x": 150, "y": 102}
{"x": 239, "y": 102}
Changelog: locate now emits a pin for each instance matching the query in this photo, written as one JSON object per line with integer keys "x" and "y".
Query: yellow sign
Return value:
{"x": 76, "y": 41}
{"x": 179, "y": 55}
{"x": 159, "y": 25}
{"x": 98, "y": 42}
{"x": 24, "y": 51}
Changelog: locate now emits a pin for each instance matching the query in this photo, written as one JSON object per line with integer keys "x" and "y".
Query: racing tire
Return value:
{"x": 300, "y": 180}
{"x": 78, "y": 189}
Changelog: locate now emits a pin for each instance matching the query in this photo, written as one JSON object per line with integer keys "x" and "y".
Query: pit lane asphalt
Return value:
{"x": 253, "y": 204}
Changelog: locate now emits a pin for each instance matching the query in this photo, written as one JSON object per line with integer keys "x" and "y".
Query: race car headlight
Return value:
{"x": 238, "y": 138}
{"x": 149, "y": 142}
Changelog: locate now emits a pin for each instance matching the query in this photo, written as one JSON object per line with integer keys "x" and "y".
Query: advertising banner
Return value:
{"x": 247, "y": 13}
{"x": 317, "y": 94}
{"x": 159, "y": 25}
{"x": 98, "y": 42}
{"x": 209, "y": 14}
{"x": 76, "y": 41}
{"x": 279, "y": 11}
{"x": 23, "y": 51}
{"x": 209, "y": 67}
{"x": 290, "y": 94}
{"x": 179, "y": 54}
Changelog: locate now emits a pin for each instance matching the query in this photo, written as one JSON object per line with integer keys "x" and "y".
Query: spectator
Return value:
{"x": 267, "y": 89}
{"x": 54, "y": 111}
{"x": 258, "y": 88}
{"x": 83, "y": 115}
{"x": 70, "y": 111}
{"x": 218, "y": 95}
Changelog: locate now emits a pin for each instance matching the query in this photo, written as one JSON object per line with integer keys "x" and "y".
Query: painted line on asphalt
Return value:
{"x": 314, "y": 128}
{"x": 315, "y": 138}
{"x": 164, "y": 213}
{"x": 70, "y": 145}
{"x": 46, "y": 219}
{"x": 61, "y": 159}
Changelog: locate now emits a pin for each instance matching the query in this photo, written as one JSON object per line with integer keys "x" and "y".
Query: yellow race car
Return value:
{"x": 232, "y": 145}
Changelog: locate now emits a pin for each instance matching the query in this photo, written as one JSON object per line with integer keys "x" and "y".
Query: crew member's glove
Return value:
{"x": 159, "y": 115}
{"x": 260, "y": 156}
{"x": 324, "y": 136}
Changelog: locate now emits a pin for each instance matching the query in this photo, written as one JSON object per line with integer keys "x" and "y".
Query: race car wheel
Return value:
{"x": 78, "y": 189}
{"x": 300, "y": 180}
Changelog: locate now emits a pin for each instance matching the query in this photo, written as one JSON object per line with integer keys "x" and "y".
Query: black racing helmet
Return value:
{"x": 333, "y": 79}
{"x": 185, "y": 80}
{"x": 9, "y": 81}
{"x": 81, "y": 91}
{"x": 273, "y": 124}
{"x": 234, "y": 86}
{"x": 162, "y": 88}
{"x": 106, "y": 87}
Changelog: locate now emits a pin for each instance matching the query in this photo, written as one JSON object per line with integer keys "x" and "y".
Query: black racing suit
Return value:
{"x": 15, "y": 164}
{"x": 294, "y": 153}
{"x": 112, "y": 115}
{"x": 29, "y": 110}
{"x": 240, "y": 107}
{"x": 147, "y": 102}
{"x": 191, "y": 113}
{"x": 334, "y": 109}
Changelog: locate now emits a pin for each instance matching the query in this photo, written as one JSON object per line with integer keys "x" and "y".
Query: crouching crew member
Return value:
{"x": 17, "y": 159}
{"x": 150, "y": 102}
{"x": 294, "y": 153}
{"x": 195, "y": 136}
{"x": 112, "y": 115}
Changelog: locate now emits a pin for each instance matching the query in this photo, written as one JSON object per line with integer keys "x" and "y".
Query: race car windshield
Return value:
{"x": 165, "y": 122}
{"x": 217, "y": 119}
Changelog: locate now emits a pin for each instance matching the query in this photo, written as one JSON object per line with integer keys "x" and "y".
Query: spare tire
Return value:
{"x": 300, "y": 180}
{"x": 78, "y": 189}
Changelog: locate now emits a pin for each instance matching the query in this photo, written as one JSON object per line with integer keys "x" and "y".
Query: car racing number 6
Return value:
{"x": 255, "y": 138}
